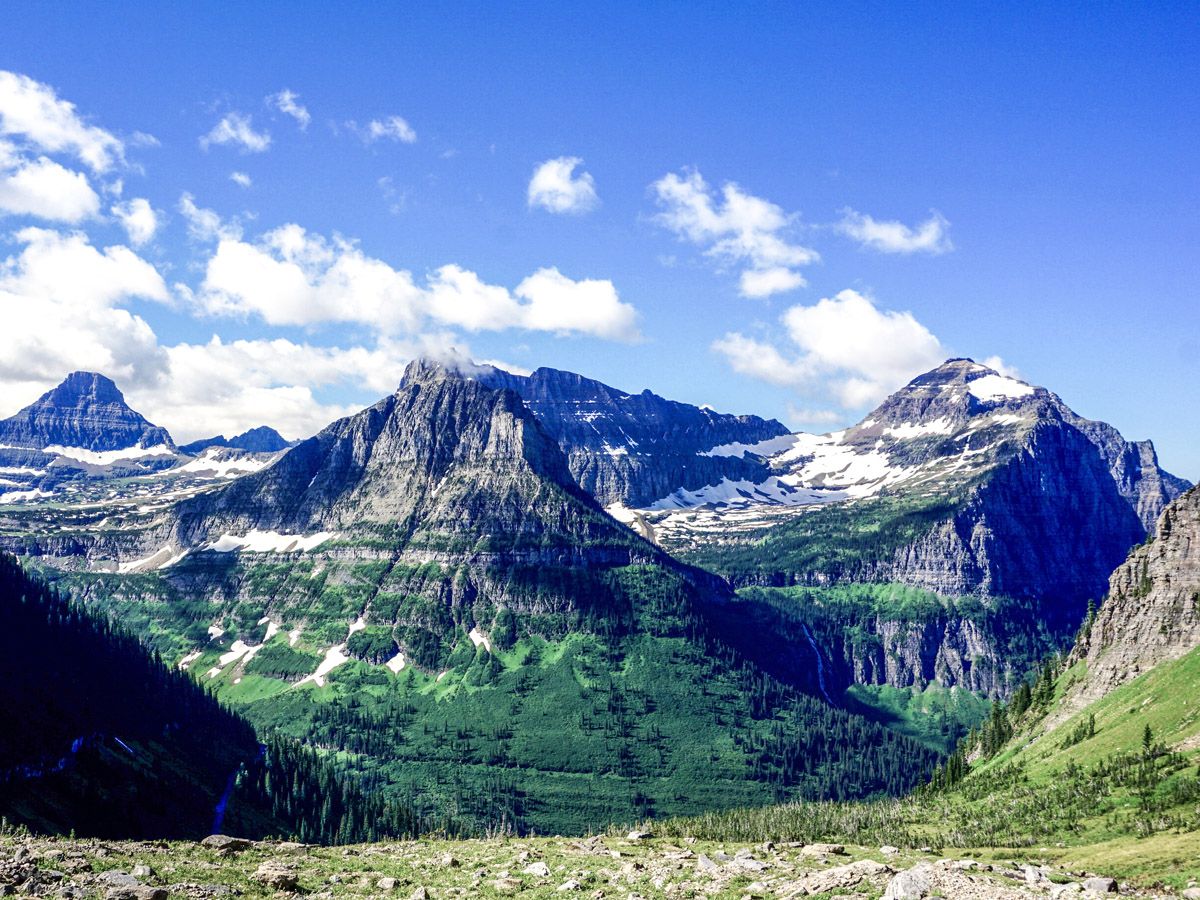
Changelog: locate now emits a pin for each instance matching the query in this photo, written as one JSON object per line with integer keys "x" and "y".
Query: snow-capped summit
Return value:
{"x": 945, "y": 429}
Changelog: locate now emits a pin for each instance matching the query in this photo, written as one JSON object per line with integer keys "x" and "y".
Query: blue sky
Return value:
{"x": 953, "y": 179}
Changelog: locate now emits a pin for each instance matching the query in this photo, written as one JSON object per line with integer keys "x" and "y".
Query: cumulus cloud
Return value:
{"x": 286, "y": 102}
{"x": 62, "y": 300}
{"x": 32, "y": 112}
{"x": 555, "y": 187}
{"x": 735, "y": 228}
{"x": 844, "y": 347}
{"x": 390, "y": 128}
{"x": 241, "y": 179}
{"x": 237, "y": 130}
{"x": 560, "y": 305}
{"x": 138, "y": 218}
{"x": 43, "y": 188}
{"x": 292, "y": 277}
{"x": 931, "y": 236}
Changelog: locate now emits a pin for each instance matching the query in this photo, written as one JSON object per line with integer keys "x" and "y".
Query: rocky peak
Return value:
{"x": 442, "y": 435}
{"x": 954, "y": 393}
{"x": 262, "y": 439}
{"x": 86, "y": 411}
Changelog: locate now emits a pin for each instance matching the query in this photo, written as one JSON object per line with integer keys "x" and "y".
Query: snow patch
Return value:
{"x": 24, "y": 496}
{"x": 995, "y": 387}
{"x": 256, "y": 541}
{"x": 108, "y": 457}
{"x": 478, "y": 639}
{"x": 396, "y": 663}
{"x": 239, "y": 651}
{"x": 334, "y": 657}
{"x": 223, "y": 468}
{"x": 160, "y": 559}
{"x": 358, "y": 625}
{"x": 189, "y": 659}
{"x": 909, "y": 430}
{"x": 293, "y": 636}
{"x": 769, "y": 447}
{"x": 214, "y": 632}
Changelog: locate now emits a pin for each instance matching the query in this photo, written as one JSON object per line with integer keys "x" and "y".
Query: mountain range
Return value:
{"x": 514, "y": 596}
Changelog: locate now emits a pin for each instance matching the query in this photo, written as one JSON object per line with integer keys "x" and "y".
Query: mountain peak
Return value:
{"x": 86, "y": 410}
{"x": 262, "y": 439}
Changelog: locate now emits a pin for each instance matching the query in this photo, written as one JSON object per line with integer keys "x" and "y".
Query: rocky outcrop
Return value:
{"x": 1152, "y": 610}
{"x": 632, "y": 449}
{"x": 86, "y": 411}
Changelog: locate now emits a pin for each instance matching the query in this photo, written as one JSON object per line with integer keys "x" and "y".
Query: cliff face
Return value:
{"x": 1048, "y": 524}
{"x": 631, "y": 449}
{"x": 1152, "y": 611}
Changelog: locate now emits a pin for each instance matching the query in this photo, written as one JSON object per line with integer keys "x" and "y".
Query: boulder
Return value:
{"x": 912, "y": 884}
{"x": 276, "y": 875}
{"x": 537, "y": 870}
{"x": 823, "y": 850}
{"x": 225, "y": 843}
{"x": 1101, "y": 885}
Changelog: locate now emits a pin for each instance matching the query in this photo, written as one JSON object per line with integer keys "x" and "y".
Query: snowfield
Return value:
{"x": 256, "y": 541}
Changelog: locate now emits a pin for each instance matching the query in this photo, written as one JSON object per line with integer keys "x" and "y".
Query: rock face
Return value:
{"x": 631, "y": 449}
{"x": 86, "y": 411}
{"x": 257, "y": 440}
{"x": 1152, "y": 610}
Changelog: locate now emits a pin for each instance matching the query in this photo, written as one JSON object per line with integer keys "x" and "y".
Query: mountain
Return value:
{"x": 424, "y": 587}
{"x": 630, "y": 449}
{"x": 1151, "y": 612}
{"x": 85, "y": 412}
{"x": 262, "y": 439}
{"x": 954, "y": 537}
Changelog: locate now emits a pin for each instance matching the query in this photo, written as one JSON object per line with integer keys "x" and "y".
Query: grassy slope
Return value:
{"x": 1072, "y": 804}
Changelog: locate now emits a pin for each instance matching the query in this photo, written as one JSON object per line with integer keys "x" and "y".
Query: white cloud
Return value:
{"x": 843, "y": 347}
{"x": 61, "y": 299}
{"x": 237, "y": 130}
{"x": 895, "y": 237}
{"x": 138, "y": 219}
{"x": 32, "y": 111}
{"x": 765, "y": 282}
{"x": 241, "y": 179}
{"x": 392, "y": 128}
{"x": 737, "y": 229}
{"x": 225, "y": 387}
{"x": 43, "y": 188}
{"x": 204, "y": 225}
{"x": 563, "y": 306}
{"x": 556, "y": 187}
{"x": 292, "y": 277}
{"x": 285, "y": 102}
